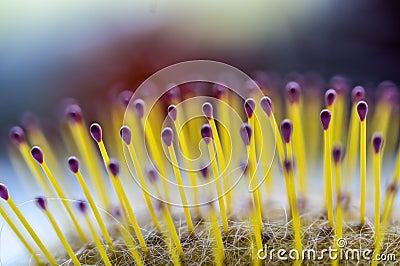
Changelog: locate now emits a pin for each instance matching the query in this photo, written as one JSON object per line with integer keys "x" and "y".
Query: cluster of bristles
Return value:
{"x": 222, "y": 219}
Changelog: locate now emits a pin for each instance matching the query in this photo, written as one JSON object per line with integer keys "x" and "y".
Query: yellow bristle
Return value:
{"x": 326, "y": 120}
{"x": 91, "y": 201}
{"x": 206, "y": 133}
{"x": 257, "y": 230}
{"x": 219, "y": 254}
{"x": 362, "y": 109}
{"x": 124, "y": 201}
{"x": 30, "y": 230}
{"x": 97, "y": 241}
{"x": 20, "y": 236}
{"x": 171, "y": 228}
{"x": 35, "y": 169}
{"x": 60, "y": 234}
{"x": 253, "y": 181}
{"x": 179, "y": 181}
{"x": 221, "y": 161}
{"x": 287, "y": 130}
{"x": 377, "y": 141}
{"x": 337, "y": 157}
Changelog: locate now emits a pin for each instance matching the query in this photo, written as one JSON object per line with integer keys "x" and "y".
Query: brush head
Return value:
{"x": 357, "y": 94}
{"x": 124, "y": 97}
{"x": 17, "y": 135}
{"x": 73, "y": 164}
{"x": 337, "y": 153}
{"x": 286, "y": 130}
{"x": 206, "y": 133}
{"x": 246, "y": 132}
{"x": 96, "y": 132}
{"x": 266, "y": 105}
{"x": 172, "y": 112}
{"x": 293, "y": 89}
{"x": 37, "y": 154}
{"x": 325, "y": 117}
{"x": 3, "y": 192}
{"x": 167, "y": 136}
{"x": 126, "y": 134}
{"x": 330, "y": 97}
{"x": 362, "y": 110}
{"x": 113, "y": 166}
{"x": 41, "y": 202}
{"x": 249, "y": 107}
{"x": 139, "y": 108}
{"x": 208, "y": 110}
{"x": 377, "y": 142}
{"x": 73, "y": 113}
{"x": 82, "y": 206}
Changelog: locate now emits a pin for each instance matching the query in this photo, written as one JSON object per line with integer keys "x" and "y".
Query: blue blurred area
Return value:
{"x": 49, "y": 51}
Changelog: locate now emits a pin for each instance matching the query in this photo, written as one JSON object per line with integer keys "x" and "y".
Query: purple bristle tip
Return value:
{"x": 293, "y": 89}
{"x": 167, "y": 136}
{"x": 208, "y": 110}
{"x": 249, "y": 107}
{"x": 17, "y": 135}
{"x": 204, "y": 172}
{"x": 357, "y": 94}
{"x": 153, "y": 175}
{"x": 74, "y": 113}
{"x": 246, "y": 132}
{"x": 266, "y": 105}
{"x": 286, "y": 130}
{"x": 41, "y": 202}
{"x": 96, "y": 132}
{"x": 139, "y": 107}
{"x": 113, "y": 166}
{"x": 82, "y": 206}
{"x": 206, "y": 133}
{"x": 337, "y": 153}
{"x": 287, "y": 164}
{"x": 126, "y": 134}
{"x": 377, "y": 142}
{"x": 37, "y": 154}
{"x": 73, "y": 164}
{"x": 330, "y": 97}
{"x": 362, "y": 110}
{"x": 172, "y": 112}
{"x": 325, "y": 117}
{"x": 3, "y": 192}
{"x": 125, "y": 97}
{"x": 219, "y": 91}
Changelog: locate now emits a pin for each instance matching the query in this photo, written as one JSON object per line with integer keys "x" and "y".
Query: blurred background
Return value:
{"x": 52, "y": 50}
